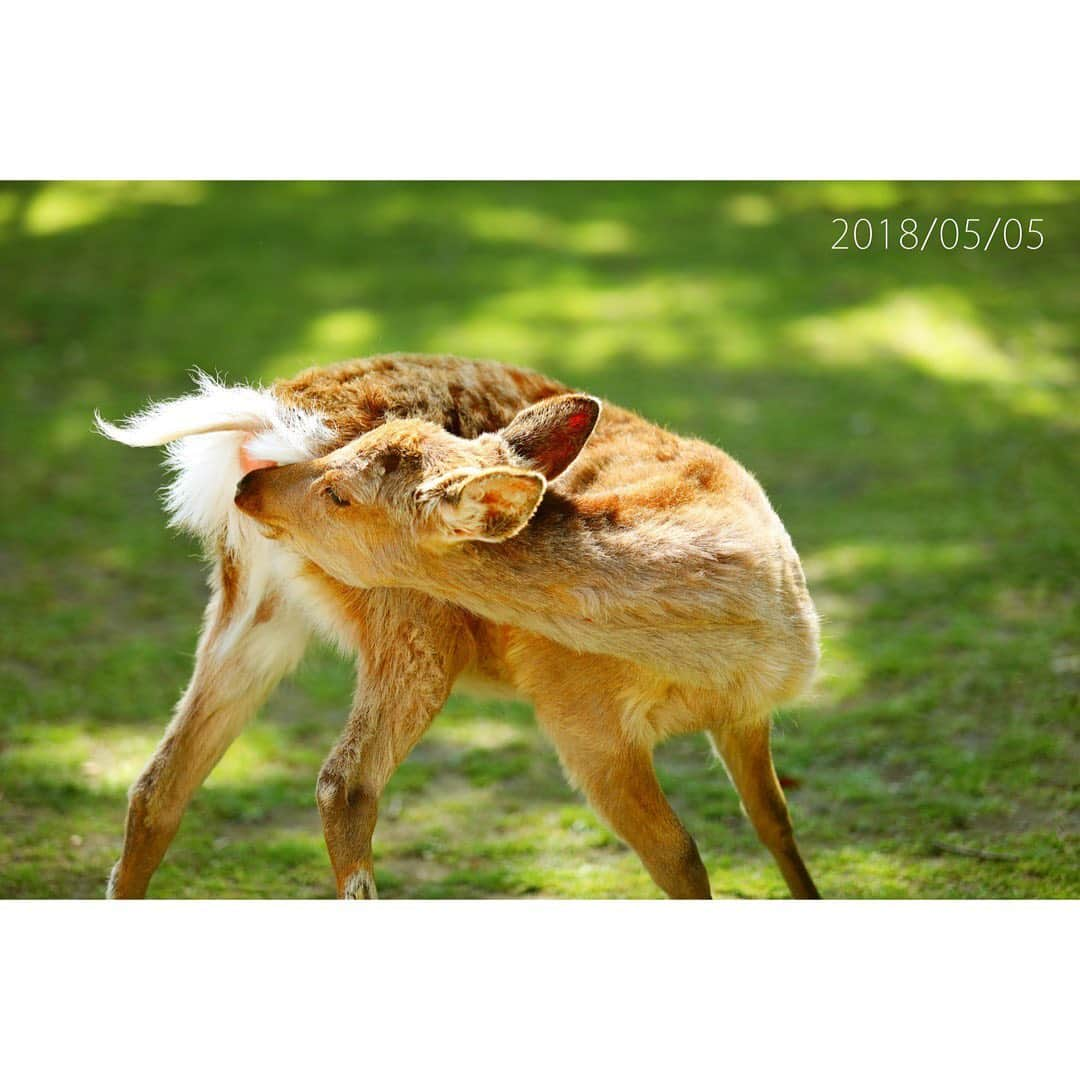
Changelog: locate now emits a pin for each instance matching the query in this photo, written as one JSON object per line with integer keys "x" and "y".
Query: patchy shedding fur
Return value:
{"x": 438, "y": 518}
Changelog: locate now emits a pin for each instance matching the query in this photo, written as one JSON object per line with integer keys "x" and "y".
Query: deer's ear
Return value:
{"x": 483, "y": 504}
{"x": 549, "y": 435}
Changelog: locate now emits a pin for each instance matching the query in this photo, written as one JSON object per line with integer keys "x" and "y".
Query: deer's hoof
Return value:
{"x": 360, "y": 886}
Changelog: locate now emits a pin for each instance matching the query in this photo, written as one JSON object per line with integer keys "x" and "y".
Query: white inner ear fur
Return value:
{"x": 484, "y": 504}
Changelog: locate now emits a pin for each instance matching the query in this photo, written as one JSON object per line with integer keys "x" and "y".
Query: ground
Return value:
{"x": 913, "y": 416}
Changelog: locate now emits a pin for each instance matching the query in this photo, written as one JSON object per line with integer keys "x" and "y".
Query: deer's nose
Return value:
{"x": 246, "y": 491}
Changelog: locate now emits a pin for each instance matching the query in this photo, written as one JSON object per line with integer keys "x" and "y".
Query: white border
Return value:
{"x": 553, "y": 989}
{"x": 560, "y": 90}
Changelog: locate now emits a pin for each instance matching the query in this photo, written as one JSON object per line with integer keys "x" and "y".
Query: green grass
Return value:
{"x": 912, "y": 415}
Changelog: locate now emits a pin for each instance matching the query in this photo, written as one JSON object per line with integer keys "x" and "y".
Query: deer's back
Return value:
{"x": 466, "y": 397}
{"x": 686, "y": 531}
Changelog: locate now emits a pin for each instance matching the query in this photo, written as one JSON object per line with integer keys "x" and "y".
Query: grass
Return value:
{"x": 913, "y": 415}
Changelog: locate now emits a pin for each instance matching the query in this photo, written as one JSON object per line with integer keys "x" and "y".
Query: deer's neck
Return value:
{"x": 527, "y": 580}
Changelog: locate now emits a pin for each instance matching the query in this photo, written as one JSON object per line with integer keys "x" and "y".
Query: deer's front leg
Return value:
{"x": 411, "y": 650}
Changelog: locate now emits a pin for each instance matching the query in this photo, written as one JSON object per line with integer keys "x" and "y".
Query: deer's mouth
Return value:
{"x": 249, "y": 499}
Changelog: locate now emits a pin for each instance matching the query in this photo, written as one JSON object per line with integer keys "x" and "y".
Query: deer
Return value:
{"x": 443, "y": 519}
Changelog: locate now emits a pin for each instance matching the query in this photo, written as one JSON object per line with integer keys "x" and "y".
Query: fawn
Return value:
{"x": 439, "y": 518}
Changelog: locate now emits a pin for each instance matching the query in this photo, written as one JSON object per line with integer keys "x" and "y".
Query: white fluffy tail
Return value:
{"x": 205, "y": 433}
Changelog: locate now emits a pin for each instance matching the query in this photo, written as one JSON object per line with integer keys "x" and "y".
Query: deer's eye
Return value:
{"x": 334, "y": 497}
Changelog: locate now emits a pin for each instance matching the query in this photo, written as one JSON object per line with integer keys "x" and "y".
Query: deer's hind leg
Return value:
{"x": 250, "y": 640}
{"x": 743, "y": 745}
{"x": 582, "y": 703}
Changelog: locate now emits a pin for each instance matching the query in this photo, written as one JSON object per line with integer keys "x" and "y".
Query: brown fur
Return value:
{"x": 647, "y": 590}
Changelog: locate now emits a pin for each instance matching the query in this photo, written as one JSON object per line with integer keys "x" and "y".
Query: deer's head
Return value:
{"x": 409, "y": 485}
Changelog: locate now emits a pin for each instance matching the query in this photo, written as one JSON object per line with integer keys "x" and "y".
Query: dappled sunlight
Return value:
{"x": 99, "y": 761}
{"x": 1024, "y": 193}
{"x": 937, "y": 332}
{"x": 345, "y": 333}
{"x": 844, "y": 560}
{"x": 449, "y": 834}
{"x": 69, "y": 431}
{"x": 599, "y": 237}
{"x": 348, "y": 332}
{"x": 752, "y": 209}
{"x": 512, "y": 223}
{"x": 10, "y": 201}
{"x": 857, "y": 871}
{"x": 261, "y": 753}
{"x": 750, "y": 878}
{"x": 595, "y": 876}
{"x": 482, "y": 733}
{"x": 503, "y": 337}
{"x": 839, "y": 570}
{"x": 842, "y": 196}
{"x": 587, "y": 329}
{"x": 842, "y": 672}
{"x": 60, "y": 207}
{"x": 868, "y": 196}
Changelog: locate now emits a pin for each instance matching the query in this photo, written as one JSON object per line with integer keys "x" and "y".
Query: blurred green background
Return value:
{"x": 913, "y": 416}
